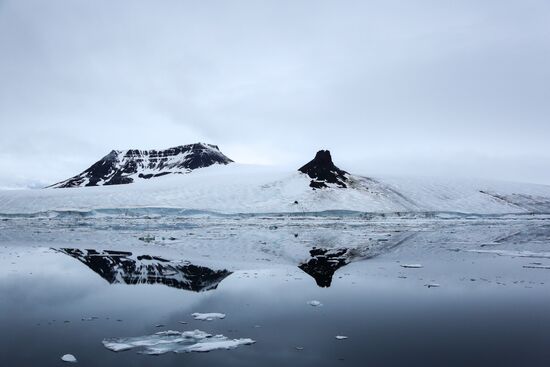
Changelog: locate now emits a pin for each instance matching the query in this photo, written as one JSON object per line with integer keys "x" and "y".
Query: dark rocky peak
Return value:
{"x": 125, "y": 166}
{"x": 322, "y": 171}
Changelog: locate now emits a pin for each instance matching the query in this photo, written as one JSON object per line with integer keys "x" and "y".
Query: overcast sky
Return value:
{"x": 406, "y": 87}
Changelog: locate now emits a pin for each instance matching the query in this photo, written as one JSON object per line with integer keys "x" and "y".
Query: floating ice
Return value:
{"x": 541, "y": 255}
{"x": 536, "y": 267}
{"x": 314, "y": 303}
{"x": 433, "y": 285}
{"x": 68, "y": 358}
{"x": 92, "y": 318}
{"x": 341, "y": 337}
{"x": 208, "y": 316}
{"x": 176, "y": 342}
{"x": 412, "y": 266}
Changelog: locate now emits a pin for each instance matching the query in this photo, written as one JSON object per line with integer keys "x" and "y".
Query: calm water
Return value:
{"x": 488, "y": 311}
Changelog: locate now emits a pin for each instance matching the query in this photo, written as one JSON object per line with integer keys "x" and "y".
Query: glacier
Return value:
{"x": 245, "y": 189}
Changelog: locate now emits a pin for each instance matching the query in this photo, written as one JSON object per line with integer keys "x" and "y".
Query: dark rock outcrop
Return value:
{"x": 123, "y": 167}
{"x": 322, "y": 171}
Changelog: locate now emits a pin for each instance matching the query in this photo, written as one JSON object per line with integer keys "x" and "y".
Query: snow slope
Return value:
{"x": 250, "y": 189}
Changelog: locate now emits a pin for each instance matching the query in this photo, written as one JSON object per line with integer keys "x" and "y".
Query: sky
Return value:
{"x": 423, "y": 87}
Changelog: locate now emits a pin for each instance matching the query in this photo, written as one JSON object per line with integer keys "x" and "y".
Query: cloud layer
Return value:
{"x": 391, "y": 87}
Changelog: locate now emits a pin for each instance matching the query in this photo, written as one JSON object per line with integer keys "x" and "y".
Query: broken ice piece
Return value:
{"x": 176, "y": 342}
{"x": 341, "y": 337}
{"x": 183, "y": 322}
{"x": 411, "y": 266}
{"x": 299, "y": 348}
{"x": 68, "y": 358}
{"x": 314, "y": 303}
{"x": 432, "y": 285}
{"x": 208, "y": 316}
{"x": 92, "y": 318}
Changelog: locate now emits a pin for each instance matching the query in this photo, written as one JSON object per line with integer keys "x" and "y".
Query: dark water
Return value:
{"x": 477, "y": 317}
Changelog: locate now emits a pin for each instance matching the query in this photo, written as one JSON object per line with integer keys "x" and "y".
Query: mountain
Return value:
{"x": 244, "y": 189}
{"x": 126, "y": 166}
{"x": 121, "y": 267}
{"x": 323, "y": 172}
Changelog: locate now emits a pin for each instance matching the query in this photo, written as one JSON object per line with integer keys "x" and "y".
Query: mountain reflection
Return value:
{"x": 120, "y": 267}
{"x": 324, "y": 263}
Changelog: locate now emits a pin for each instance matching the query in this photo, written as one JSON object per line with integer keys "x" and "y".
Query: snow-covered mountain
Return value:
{"x": 124, "y": 267}
{"x": 127, "y": 166}
{"x": 236, "y": 188}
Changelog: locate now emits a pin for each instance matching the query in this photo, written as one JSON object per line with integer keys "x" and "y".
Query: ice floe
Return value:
{"x": 541, "y": 255}
{"x": 176, "y": 342}
{"x": 412, "y": 266}
{"x": 68, "y": 358}
{"x": 536, "y": 267}
{"x": 208, "y": 316}
{"x": 91, "y": 318}
{"x": 341, "y": 337}
{"x": 314, "y": 303}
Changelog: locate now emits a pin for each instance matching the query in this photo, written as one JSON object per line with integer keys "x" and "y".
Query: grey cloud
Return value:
{"x": 445, "y": 87}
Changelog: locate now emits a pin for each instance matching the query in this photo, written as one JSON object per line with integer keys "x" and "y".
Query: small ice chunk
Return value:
{"x": 314, "y": 303}
{"x": 411, "y": 266}
{"x": 68, "y": 358}
{"x": 92, "y": 318}
{"x": 208, "y": 316}
{"x": 341, "y": 337}
{"x": 176, "y": 342}
{"x": 433, "y": 285}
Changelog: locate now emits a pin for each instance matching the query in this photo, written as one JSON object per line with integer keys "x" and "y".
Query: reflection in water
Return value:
{"x": 123, "y": 267}
{"x": 324, "y": 263}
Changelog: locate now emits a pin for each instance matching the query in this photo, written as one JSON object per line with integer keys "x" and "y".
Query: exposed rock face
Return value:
{"x": 124, "y": 167}
{"x": 322, "y": 171}
{"x": 123, "y": 267}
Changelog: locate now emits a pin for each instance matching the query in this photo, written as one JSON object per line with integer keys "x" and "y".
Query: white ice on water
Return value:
{"x": 68, "y": 358}
{"x": 176, "y": 342}
{"x": 542, "y": 255}
{"x": 341, "y": 337}
{"x": 412, "y": 266}
{"x": 208, "y": 316}
{"x": 314, "y": 303}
